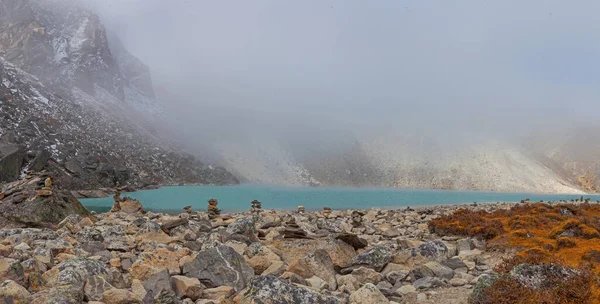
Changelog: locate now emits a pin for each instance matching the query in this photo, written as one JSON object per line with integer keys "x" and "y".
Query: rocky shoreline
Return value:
{"x": 350, "y": 256}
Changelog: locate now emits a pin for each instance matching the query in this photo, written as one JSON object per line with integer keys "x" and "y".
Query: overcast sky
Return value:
{"x": 451, "y": 65}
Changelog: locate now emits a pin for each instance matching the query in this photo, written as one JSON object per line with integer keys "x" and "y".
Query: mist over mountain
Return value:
{"x": 476, "y": 95}
{"x": 77, "y": 104}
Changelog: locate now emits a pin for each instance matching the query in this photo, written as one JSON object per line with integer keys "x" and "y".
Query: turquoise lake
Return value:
{"x": 238, "y": 198}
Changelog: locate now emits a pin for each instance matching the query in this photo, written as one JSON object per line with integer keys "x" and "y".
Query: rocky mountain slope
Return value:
{"x": 573, "y": 152}
{"x": 80, "y": 105}
{"x": 405, "y": 161}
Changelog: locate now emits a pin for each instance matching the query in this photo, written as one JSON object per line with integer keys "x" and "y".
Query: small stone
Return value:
{"x": 367, "y": 275}
{"x": 421, "y": 297}
{"x": 85, "y": 222}
{"x": 119, "y": 296}
{"x": 427, "y": 282}
{"x": 22, "y": 247}
{"x": 44, "y": 192}
{"x": 95, "y": 287}
{"x": 406, "y": 289}
{"x": 368, "y": 294}
{"x": 218, "y": 292}
{"x": 458, "y": 282}
{"x": 116, "y": 262}
{"x": 187, "y": 287}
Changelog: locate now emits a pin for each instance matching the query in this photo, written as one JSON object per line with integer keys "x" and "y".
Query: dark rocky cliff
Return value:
{"x": 75, "y": 103}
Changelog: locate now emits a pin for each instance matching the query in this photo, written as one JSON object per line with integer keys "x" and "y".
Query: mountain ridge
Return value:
{"x": 81, "y": 106}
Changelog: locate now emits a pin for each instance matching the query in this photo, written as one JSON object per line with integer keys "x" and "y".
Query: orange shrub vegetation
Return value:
{"x": 565, "y": 232}
{"x": 561, "y": 234}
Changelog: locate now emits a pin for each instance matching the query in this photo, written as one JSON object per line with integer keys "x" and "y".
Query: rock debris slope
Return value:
{"x": 77, "y": 104}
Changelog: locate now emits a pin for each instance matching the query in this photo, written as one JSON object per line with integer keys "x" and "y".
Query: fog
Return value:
{"x": 330, "y": 69}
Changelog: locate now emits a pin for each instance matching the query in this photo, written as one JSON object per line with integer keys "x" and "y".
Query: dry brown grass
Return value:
{"x": 566, "y": 235}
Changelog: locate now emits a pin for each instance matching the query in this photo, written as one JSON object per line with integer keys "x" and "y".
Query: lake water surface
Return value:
{"x": 238, "y": 198}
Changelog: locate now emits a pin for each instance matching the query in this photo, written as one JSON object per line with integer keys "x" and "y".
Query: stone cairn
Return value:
{"x": 46, "y": 189}
{"x": 356, "y": 218}
{"x": 213, "y": 211}
{"x": 117, "y": 200}
{"x": 300, "y": 209}
{"x": 326, "y": 211}
{"x": 256, "y": 207}
{"x": 293, "y": 231}
{"x": 188, "y": 209}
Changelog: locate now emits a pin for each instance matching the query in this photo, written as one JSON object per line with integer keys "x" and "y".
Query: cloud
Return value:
{"x": 496, "y": 67}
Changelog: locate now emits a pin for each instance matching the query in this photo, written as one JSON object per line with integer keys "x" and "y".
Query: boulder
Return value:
{"x": 119, "y": 296}
{"x": 11, "y": 161}
{"x": 94, "y": 287}
{"x": 544, "y": 275}
{"x": 131, "y": 206}
{"x": 40, "y": 161}
{"x": 23, "y": 207}
{"x": 187, "y": 287}
{"x": 13, "y": 293}
{"x": 317, "y": 264}
{"x": 406, "y": 289}
{"x": 375, "y": 258}
{"x": 347, "y": 283}
{"x": 433, "y": 249}
{"x": 218, "y": 292}
{"x": 153, "y": 262}
{"x": 74, "y": 167}
{"x": 11, "y": 269}
{"x": 368, "y": 294}
{"x": 292, "y": 249}
{"x": 76, "y": 271}
{"x": 158, "y": 289}
{"x": 271, "y": 290}
{"x": 64, "y": 294}
{"x": 277, "y": 268}
{"x": 220, "y": 266}
{"x": 353, "y": 240}
{"x": 245, "y": 227}
{"x": 454, "y": 263}
{"x": 367, "y": 275}
{"x": 432, "y": 269}
{"x": 427, "y": 282}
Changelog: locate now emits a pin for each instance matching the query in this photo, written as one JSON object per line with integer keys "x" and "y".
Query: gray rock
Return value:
{"x": 375, "y": 258}
{"x": 406, "y": 289}
{"x": 94, "y": 287}
{"x": 243, "y": 226}
{"x": 89, "y": 234}
{"x": 432, "y": 269}
{"x": 433, "y": 249}
{"x": 76, "y": 271}
{"x": 11, "y": 269}
{"x": 11, "y": 161}
{"x": 74, "y": 167}
{"x": 454, "y": 263}
{"x": 66, "y": 294}
{"x": 464, "y": 245}
{"x": 353, "y": 240}
{"x": 318, "y": 264}
{"x": 23, "y": 207}
{"x": 271, "y": 290}
{"x": 544, "y": 275}
{"x": 40, "y": 161}
{"x": 11, "y": 292}
{"x": 218, "y": 266}
{"x": 159, "y": 290}
{"x": 427, "y": 282}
